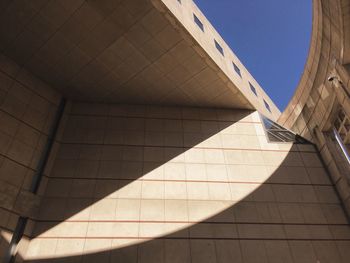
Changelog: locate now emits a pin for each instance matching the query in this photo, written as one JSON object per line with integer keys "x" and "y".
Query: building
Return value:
{"x": 130, "y": 132}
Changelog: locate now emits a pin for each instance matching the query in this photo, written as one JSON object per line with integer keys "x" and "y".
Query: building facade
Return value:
{"x": 320, "y": 108}
{"x": 130, "y": 132}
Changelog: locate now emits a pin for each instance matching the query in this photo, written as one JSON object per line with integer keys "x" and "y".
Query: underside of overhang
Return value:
{"x": 121, "y": 51}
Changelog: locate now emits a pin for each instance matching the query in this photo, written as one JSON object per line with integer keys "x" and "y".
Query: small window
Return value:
{"x": 267, "y": 106}
{"x": 238, "y": 71}
{"x": 198, "y": 22}
{"x": 253, "y": 89}
{"x": 219, "y": 48}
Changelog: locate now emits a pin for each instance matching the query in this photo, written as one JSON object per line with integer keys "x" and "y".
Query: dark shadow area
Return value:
{"x": 347, "y": 67}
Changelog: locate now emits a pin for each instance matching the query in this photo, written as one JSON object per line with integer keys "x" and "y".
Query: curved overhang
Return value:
{"x": 321, "y": 104}
{"x": 312, "y": 103}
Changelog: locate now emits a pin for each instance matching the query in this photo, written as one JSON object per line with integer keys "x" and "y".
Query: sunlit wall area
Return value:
{"x": 174, "y": 184}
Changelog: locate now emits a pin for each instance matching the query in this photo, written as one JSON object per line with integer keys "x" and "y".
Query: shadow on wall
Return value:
{"x": 185, "y": 189}
{"x": 123, "y": 157}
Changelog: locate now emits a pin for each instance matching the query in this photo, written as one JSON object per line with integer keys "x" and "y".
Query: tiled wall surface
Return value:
{"x": 312, "y": 102}
{"x": 27, "y": 107}
{"x": 122, "y": 51}
{"x": 317, "y": 101}
{"x": 184, "y": 12}
{"x": 148, "y": 184}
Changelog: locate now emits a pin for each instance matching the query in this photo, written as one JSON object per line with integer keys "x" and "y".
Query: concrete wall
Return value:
{"x": 316, "y": 102}
{"x": 183, "y": 13}
{"x": 148, "y": 184}
{"x": 27, "y": 108}
{"x": 312, "y": 101}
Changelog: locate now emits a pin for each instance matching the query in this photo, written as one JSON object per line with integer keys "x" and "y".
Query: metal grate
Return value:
{"x": 342, "y": 132}
{"x": 277, "y": 133}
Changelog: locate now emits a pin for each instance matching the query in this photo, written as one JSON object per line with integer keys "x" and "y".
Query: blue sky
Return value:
{"x": 270, "y": 37}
